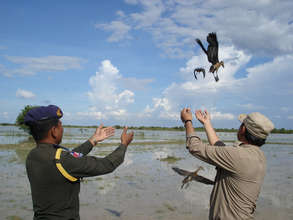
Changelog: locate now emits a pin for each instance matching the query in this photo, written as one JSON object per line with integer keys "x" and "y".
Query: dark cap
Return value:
{"x": 42, "y": 113}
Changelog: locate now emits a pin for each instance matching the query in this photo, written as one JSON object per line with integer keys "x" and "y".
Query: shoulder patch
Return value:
{"x": 76, "y": 154}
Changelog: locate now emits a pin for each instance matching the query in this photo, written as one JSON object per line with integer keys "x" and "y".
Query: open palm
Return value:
{"x": 203, "y": 117}
{"x": 102, "y": 133}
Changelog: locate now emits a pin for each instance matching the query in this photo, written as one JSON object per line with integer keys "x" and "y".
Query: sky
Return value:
{"x": 131, "y": 62}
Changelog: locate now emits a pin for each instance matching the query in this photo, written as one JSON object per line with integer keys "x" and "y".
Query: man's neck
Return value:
{"x": 47, "y": 141}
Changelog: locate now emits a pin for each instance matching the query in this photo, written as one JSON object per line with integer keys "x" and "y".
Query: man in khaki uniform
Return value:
{"x": 240, "y": 167}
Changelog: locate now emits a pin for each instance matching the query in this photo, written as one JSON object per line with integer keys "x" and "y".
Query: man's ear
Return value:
{"x": 243, "y": 129}
{"x": 53, "y": 132}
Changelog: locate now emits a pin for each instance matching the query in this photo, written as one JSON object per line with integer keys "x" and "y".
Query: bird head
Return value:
{"x": 222, "y": 64}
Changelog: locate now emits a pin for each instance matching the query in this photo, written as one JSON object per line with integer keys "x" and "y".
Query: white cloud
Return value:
{"x": 207, "y": 91}
{"x": 224, "y": 99}
{"x": 33, "y": 65}
{"x": 108, "y": 97}
{"x": 20, "y": 93}
{"x": 105, "y": 87}
{"x": 118, "y": 113}
{"x": 270, "y": 81}
{"x": 264, "y": 29}
{"x": 161, "y": 109}
{"x": 164, "y": 103}
{"x": 233, "y": 60}
{"x": 222, "y": 116}
{"x": 150, "y": 15}
{"x": 125, "y": 97}
{"x": 136, "y": 84}
{"x": 118, "y": 28}
{"x": 91, "y": 114}
{"x": 250, "y": 106}
{"x": 264, "y": 84}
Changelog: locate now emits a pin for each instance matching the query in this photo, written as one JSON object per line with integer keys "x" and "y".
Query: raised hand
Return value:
{"x": 126, "y": 138}
{"x": 101, "y": 134}
{"x": 203, "y": 117}
{"x": 186, "y": 114}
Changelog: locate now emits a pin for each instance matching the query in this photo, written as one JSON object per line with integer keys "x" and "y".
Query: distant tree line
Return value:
{"x": 158, "y": 128}
{"x": 20, "y": 122}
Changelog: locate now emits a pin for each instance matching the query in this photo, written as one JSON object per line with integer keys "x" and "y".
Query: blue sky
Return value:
{"x": 131, "y": 62}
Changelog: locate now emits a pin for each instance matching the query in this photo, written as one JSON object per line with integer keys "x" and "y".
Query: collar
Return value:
{"x": 44, "y": 144}
{"x": 241, "y": 144}
{"x": 59, "y": 146}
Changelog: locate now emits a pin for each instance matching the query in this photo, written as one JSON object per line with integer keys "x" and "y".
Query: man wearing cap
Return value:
{"x": 54, "y": 171}
{"x": 240, "y": 167}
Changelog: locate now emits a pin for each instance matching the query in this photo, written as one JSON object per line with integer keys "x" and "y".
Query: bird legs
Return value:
{"x": 189, "y": 177}
{"x": 214, "y": 69}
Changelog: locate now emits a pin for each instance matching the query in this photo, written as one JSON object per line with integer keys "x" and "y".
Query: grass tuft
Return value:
{"x": 170, "y": 159}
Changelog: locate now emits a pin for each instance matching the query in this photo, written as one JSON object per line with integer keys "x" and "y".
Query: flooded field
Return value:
{"x": 144, "y": 186}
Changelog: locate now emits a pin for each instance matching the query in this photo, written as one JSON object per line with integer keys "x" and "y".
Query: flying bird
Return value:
{"x": 189, "y": 176}
{"x": 198, "y": 70}
{"x": 212, "y": 53}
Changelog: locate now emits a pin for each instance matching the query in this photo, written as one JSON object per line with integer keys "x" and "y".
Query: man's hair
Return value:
{"x": 254, "y": 140}
{"x": 39, "y": 130}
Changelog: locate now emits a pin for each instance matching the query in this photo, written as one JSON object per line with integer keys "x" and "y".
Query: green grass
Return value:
{"x": 169, "y": 207}
{"x": 13, "y": 217}
{"x": 170, "y": 159}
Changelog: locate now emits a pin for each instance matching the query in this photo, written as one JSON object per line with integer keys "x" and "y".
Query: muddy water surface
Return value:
{"x": 144, "y": 186}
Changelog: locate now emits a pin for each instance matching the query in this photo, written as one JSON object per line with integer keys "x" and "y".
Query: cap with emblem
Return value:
{"x": 42, "y": 113}
{"x": 257, "y": 124}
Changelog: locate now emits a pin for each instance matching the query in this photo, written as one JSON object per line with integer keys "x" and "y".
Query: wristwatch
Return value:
{"x": 186, "y": 122}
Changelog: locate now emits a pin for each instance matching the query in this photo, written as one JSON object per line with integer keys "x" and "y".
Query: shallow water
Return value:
{"x": 144, "y": 187}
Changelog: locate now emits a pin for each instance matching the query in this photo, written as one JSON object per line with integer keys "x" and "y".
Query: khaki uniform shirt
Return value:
{"x": 240, "y": 173}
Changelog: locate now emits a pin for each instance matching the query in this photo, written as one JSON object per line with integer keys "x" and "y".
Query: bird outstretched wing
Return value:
{"x": 180, "y": 171}
{"x": 212, "y": 51}
{"x": 202, "y": 179}
{"x": 201, "y": 45}
{"x": 193, "y": 176}
{"x": 198, "y": 70}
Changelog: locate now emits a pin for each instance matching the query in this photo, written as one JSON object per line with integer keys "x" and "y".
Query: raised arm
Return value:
{"x": 99, "y": 135}
{"x": 186, "y": 117}
{"x": 205, "y": 119}
{"x": 86, "y": 166}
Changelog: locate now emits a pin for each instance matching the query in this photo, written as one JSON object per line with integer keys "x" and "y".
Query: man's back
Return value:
{"x": 237, "y": 186}
{"x": 241, "y": 170}
{"x": 54, "y": 197}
